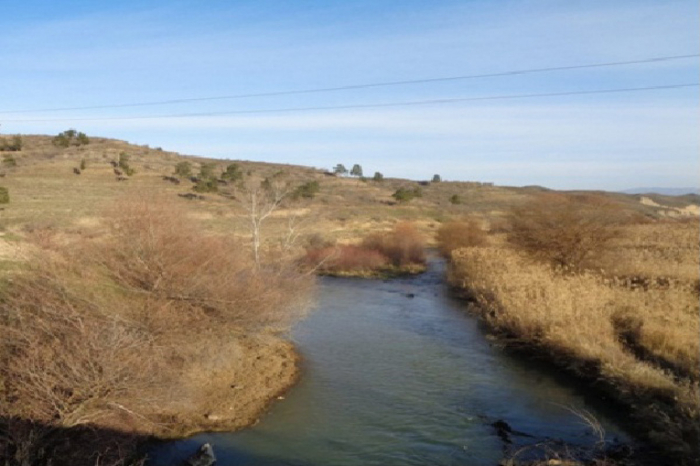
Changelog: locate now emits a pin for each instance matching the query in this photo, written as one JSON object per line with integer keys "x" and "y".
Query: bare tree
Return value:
{"x": 261, "y": 199}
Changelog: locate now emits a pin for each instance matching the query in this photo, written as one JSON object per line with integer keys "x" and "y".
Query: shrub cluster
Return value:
{"x": 12, "y": 145}
{"x": 70, "y": 137}
{"x": 4, "y": 195}
{"x": 307, "y": 190}
{"x": 206, "y": 181}
{"x": 346, "y": 258}
{"x": 183, "y": 169}
{"x": 401, "y": 249}
{"x": 402, "y": 246}
{"x": 406, "y": 195}
{"x": 232, "y": 173}
{"x": 123, "y": 163}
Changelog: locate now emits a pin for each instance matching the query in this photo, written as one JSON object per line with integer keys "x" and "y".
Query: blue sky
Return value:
{"x": 87, "y": 53}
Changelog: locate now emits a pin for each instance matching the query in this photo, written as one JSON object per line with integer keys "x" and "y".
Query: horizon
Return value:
{"x": 81, "y": 54}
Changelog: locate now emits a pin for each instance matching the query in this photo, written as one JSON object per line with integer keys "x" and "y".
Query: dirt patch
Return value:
{"x": 649, "y": 202}
{"x": 12, "y": 251}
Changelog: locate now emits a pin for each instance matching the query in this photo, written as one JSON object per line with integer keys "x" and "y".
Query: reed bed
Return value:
{"x": 639, "y": 338}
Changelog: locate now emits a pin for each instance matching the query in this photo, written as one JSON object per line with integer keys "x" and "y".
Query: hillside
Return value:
{"x": 46, "y": 194}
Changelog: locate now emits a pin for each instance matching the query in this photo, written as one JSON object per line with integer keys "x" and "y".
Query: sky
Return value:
{"x": 56, "y": 57}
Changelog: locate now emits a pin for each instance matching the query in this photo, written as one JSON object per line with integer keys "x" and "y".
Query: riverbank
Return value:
{"x": 243, "y": 378}
{"x": 149, "y": 329}
{"x": 637, "y": 345}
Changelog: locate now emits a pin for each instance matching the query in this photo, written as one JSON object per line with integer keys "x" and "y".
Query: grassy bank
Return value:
{"x": 150, "y": 326}
{"x": 631, "y": 325}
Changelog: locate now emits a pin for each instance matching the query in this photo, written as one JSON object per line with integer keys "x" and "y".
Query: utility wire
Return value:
{"x": 360, "y": 106}
{"x": 365, "y": 86}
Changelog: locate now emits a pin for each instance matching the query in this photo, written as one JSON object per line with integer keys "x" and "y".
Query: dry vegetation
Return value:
{"x": 623, "y": 309}
{"x": 399, "y": 251}
{"x": 460, "y": 234}
{"x": 104, "y": 305}
{"x": 132, "y": 329}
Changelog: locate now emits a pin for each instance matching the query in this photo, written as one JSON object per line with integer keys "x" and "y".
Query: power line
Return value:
{"x": 378, "y": 105}
{"x": 365, "y": 86}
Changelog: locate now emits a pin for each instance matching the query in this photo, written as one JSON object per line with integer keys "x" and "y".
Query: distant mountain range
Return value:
{"x": 663, "y": 191}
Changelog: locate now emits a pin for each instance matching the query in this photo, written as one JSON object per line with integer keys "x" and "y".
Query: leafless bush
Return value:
{"x": 462, "y": 234}
{"x": 66, "y": 360}
{"x": 346, "y": 258}
{"x": 403, "y": 245}
{"x": 154, "y": 250}
{"x": 563, "y": 230}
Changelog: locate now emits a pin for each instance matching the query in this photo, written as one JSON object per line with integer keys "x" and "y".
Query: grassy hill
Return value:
{"x": 46, "y": 193}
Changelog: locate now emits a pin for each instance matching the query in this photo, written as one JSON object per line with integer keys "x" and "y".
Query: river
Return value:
{"x": 396, "y": 372}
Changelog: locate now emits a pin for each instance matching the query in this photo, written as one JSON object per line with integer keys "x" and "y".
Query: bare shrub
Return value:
{"x": 460, "y": 234}
{"x": 66, "y": 360}
{"x": 346, "y": 258}
{"x": 402, "y": 246}
{"x": 563, "y": 230}
{"x": 154, "y": 250}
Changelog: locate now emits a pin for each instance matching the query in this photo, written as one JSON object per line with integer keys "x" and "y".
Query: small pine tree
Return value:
{"x": 436, "y": 179}
{"x": 4, "y": 195}
{"x": 455, "y": 199}
{"x": 83, "y": 164}
{"x": 340, "y": 169}
{"x": 356, "y": 170}
{"x": 206, "y": 171}
{"x": 124, "y": 160}
{"x": 378, "y": 176}
{"x": 233, "y": 173}
{"x": 82, "y": 139}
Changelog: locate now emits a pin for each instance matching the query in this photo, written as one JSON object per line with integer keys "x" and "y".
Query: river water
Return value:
{"x": 396, "y": 372}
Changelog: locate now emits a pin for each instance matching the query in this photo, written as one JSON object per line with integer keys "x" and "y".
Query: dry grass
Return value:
{"x": 663, "y": 249}
{"x": 642, "y": 340}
